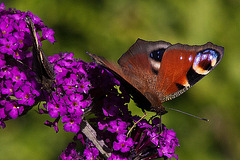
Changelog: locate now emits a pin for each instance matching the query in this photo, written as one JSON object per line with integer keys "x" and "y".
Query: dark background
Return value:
{"x": 108, "y": 28}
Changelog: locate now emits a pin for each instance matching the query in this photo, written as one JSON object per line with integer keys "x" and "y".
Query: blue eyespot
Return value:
{"x": 157, "y": 54}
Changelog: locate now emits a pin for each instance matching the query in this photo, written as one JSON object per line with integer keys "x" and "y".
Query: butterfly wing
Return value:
{"x": 141, "y": 70}
{"x": 183, "y": 65}
{"x": 136, "y": 65}
{"x": 40, "y": 64}
{"x": 154, "y": 72}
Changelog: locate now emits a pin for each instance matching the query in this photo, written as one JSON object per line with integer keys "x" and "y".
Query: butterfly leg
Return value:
{"x": 134, "y": 125}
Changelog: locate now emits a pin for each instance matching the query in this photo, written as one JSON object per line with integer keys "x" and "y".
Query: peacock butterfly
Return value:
{"x": 157, "y": 71}
{"x": 40, "y": 63}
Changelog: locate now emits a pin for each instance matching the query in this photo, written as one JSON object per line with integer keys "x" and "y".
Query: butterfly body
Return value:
{"x": 157, "y": 71}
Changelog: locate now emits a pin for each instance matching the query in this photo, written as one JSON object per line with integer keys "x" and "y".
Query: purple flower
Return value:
{"x": 26, "y": 94}
{"x": 2, "y": 113}
{"x": 2, "y": 63}
{"x": 2, "y": 7}
{"x": 168, "y": 143}
{"x": 53, "y": 124}
{"x": 6, "y": 28}
{"x": 18, "y": 77}
{"x": 70, "y": 153}
{"x": 91, "y": 153}
{"x": 117, "y": 126}
{"x": 7, "y": 89}
{"x": 71, "y": 123}
{"x": 48, "y": 34}
{"x": 8, "y": 45}
{"x": 56, "y": 109}
{"x": 20, "y": 39}
{"x": 2, "y": 124}
{"x": 102, "y": 125}
{"x": 117, "y": 157}
{"x": 21, "y": 27}
{"x": 75, "y": 103}
{"x": 84, "y": 87}
{"x": 13, "y": 109}
{"x": 124, "y": 144}
{"x": 69, "y": 84}
{"x": 6, "y": 73}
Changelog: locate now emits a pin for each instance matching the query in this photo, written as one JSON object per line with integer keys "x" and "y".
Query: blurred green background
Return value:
{"x": 108, "y": 28}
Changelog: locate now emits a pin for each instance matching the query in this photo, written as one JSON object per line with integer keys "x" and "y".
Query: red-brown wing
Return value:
{"x": 135, "y": 64}
{"x": 138, "y": 68}
{"x": 182, "y": 66}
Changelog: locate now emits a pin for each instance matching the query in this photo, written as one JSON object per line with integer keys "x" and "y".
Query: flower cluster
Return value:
{"x": 79, "y": 87}
{"x": 70, "y": 98}
{"x": 19, "y": 90}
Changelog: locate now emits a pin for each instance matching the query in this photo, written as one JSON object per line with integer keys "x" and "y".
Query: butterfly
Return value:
{"x": 157, "y": 71}
{"x": 40, "y": 65}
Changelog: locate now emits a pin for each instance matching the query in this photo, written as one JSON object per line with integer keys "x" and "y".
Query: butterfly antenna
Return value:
{"x": 187, "y": 113}
{"x": 135, "y": 123}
